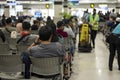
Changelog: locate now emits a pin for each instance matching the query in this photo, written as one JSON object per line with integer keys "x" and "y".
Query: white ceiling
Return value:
{"x": 98, "y": 1}
{"x": 80, "y": 1}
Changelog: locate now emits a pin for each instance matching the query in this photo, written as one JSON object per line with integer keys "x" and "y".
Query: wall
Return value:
{"x": 110, "y": 5}
{"x": 38, "y": 7}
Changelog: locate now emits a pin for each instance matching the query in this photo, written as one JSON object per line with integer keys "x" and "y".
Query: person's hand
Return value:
{"x": 37, "y": 41}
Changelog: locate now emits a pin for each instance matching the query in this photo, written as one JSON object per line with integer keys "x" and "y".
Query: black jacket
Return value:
{"x": 2, "y": 36}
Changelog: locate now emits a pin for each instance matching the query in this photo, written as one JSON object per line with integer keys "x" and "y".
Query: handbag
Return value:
{"x": 107, "y": 39}
{"x": 110, "y": 38}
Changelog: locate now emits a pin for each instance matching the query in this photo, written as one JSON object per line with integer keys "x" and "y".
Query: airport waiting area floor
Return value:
{"x": 94, "y": 65}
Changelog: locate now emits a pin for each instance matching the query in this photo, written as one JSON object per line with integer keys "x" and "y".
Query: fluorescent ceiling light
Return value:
{"x": 103, "y": 5}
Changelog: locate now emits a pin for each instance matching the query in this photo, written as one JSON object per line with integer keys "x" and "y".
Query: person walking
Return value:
{"x": 93, "y": 21}
{"x": 114, "y": 46}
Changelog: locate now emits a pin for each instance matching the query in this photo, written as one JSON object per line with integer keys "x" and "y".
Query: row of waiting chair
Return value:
{"x": 41, "y": 66}
{"x": 47, "y": 67}
{"x": 11, "y": 46}
{"x": 5, "y": 49}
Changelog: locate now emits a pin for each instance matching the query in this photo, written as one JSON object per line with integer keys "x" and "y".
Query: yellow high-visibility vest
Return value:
{"x": 94, "y": 22}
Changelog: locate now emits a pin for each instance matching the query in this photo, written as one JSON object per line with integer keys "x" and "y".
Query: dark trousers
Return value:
{"x": 26, "y": 60}
{"x": 114, "y": 47}
{"x": 93, "y": 36}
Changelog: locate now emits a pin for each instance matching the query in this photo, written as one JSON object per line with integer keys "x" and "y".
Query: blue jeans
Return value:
{"x": 26, "y": 60}
{"x": 72, "y": 49}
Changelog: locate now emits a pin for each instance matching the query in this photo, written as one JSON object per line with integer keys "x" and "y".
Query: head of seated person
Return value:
{"x": 60, "y": 25}
{"x": 25, "y": 28}
{"x": 19, "y": 25}
{"x": 45, "y": 34}
{"x": 53, "y": 27}
{"x": 35, "y": 25}
{"x": 46, "y": 48}
{"x": 9, "y": 21}
{"x": 60, "y": 30}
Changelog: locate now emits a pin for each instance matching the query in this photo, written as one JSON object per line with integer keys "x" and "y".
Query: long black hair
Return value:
{"x": 53, "y": 27}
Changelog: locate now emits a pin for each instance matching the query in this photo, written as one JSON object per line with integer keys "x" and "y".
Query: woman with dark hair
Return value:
{"x": 35, "y": 25}
{"x": 49, "y": 18}
{"x": 53, "y": 27}
{"x": 3, "y": 20}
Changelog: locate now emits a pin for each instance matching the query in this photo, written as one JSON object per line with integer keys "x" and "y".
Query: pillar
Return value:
{"x": 6, "y": 11}
{"x": 58, "y": 7}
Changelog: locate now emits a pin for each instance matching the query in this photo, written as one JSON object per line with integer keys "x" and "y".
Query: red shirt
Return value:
{"x": 61, "y": 32}
{"x": 24, "y": 33}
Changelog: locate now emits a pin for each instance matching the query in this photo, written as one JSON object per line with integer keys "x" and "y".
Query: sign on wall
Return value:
{"x": 92, "y": 5}
{"x": 11, "y": 2}
{"x": 47, "y": 6}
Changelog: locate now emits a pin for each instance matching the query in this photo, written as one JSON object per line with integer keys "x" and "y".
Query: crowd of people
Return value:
{"x": 48, "y": 39}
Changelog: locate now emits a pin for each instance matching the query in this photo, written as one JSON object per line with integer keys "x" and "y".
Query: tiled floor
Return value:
{"x": 94, "y": 65}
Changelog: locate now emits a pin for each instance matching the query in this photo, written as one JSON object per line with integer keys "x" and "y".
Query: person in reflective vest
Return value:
{"x": 93, "y": 21}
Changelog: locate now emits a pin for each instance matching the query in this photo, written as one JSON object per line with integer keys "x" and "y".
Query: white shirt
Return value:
{"x": 69, "y": 31}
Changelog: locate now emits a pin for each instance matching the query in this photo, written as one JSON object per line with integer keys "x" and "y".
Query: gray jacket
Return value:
{"x": 53, "y": 49}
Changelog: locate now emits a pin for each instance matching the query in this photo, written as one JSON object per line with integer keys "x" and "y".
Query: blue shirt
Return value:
{"x": 117, "y": 29}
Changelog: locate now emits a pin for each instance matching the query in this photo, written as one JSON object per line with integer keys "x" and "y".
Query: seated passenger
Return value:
{"x": 52, "y": 25}
{"x": 2, "y": 36}
{"x": 46, "y": 48}
{"x": 8, "y": 28}
{"x": 60, "y": 30}
{"x": 25, "y": 37}
{"x": 35, "y": 25}
{"x": 19, "y": 25}
{"x": 68, "y": 29}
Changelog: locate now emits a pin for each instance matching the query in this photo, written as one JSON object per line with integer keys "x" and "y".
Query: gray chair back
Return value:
{"x": 46, "y": 66}
{"x": 12, "y": 42}
{"x": 10, "y": 63}
{"x": 21, "y": 48}
{"x": 1, "y": 40}
{"x": 4, "y": 49}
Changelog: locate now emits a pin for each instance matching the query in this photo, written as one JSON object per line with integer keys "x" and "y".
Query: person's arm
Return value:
{"x": 90, "y": 28}
{"x": 60, "y": 49}
{"x": 36, "y": 42}
{"x": 2, "y": 36}
{"x": 72, "y": 33}
{"x": 63, "y": 53}
{"x": 98, "y": 18}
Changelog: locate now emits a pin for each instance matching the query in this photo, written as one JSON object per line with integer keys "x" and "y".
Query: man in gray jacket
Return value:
{"x": 44, "y": 48}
